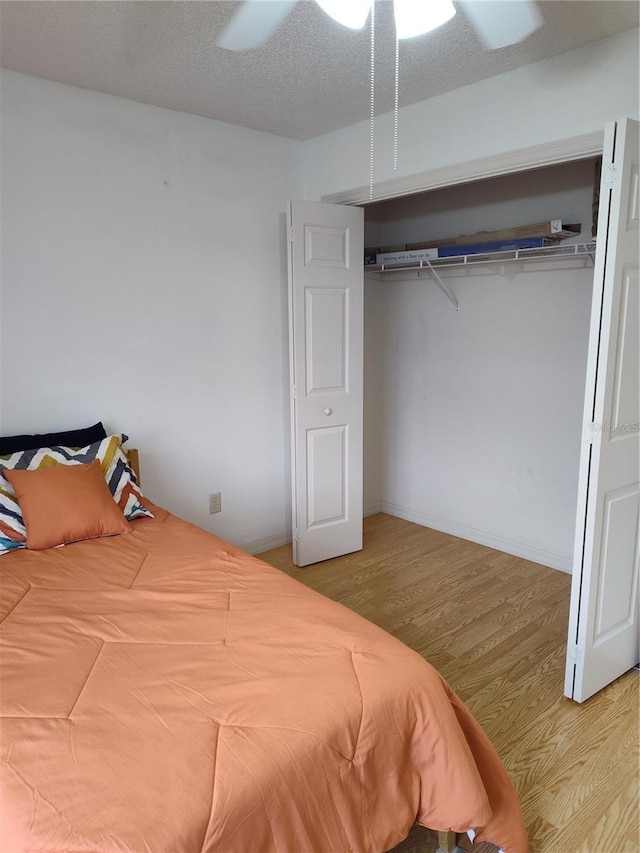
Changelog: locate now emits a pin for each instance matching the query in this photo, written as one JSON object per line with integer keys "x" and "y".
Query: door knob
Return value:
{"x": 328, "y": 411}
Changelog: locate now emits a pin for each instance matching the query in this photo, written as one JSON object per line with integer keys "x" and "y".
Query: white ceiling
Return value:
{"x": 312, "y": 76}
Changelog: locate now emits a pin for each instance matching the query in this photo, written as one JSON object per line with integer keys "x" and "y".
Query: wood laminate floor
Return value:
{"x": 495, "y": 626}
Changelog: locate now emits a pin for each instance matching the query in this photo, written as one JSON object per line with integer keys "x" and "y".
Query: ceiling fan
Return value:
{"x": 498, "y": 24}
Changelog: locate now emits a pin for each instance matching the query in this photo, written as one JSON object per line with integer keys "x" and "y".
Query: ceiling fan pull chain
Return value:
{"x": 372, "y": 114}
{"x": 395, "y": 108}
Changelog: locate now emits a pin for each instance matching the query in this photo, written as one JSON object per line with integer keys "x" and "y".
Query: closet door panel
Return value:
{"x": 326, "y": 309}
{"x": 604, "y": 621}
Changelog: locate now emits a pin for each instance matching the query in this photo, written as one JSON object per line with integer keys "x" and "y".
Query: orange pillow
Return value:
{"x": 66, "y": 503}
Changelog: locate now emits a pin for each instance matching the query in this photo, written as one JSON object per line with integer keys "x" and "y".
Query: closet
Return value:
{"x": 473, "y": 417}
{"x": 500, "y": 398}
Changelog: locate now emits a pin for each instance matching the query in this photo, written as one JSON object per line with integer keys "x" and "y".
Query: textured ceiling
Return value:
{"x": 310, "y": 78}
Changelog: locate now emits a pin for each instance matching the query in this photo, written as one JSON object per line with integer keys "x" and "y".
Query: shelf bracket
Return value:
{"x": 443, "y": 287}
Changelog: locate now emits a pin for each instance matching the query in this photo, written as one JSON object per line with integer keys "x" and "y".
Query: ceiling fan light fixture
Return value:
{"x": 349, "y": 13}
{"x": 417, "y": 17}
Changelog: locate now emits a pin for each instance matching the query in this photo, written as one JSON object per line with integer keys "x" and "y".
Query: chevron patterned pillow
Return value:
{"x": 119, "y": 477}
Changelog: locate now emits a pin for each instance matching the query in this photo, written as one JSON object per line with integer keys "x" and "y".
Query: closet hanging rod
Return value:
{"x": 573, "y": 250}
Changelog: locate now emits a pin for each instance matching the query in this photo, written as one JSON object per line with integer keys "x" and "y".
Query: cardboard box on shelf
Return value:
{"x": 553, "y": 229}
{"x": 397, "y": 247}
{"x": 560, "y": 231}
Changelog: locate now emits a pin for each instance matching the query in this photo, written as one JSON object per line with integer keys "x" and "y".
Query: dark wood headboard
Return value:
{"x": 134, "y": 461}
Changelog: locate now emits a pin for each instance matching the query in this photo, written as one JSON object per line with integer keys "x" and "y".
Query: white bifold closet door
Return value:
{"x": 326, "y": 338}
{"x": 603, "y": 638}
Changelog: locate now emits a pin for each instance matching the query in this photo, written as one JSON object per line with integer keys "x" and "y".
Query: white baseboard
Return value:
{"x": 372, "y": 509}
{"x": 257, "y": 546}
{"x": 554, "y": 561}
{"x": 518, "y": 549}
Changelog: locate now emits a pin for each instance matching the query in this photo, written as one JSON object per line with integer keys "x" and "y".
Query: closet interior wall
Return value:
{"x": 473, "y": 419}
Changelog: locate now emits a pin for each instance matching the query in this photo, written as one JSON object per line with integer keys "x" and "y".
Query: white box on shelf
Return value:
{"x": 387, "y": 258}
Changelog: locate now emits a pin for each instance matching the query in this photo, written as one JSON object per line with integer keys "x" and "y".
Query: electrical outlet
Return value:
{"x": 215, "y": 503}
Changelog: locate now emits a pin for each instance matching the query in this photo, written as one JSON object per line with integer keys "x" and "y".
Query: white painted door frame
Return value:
{"x": 520, "y": 160}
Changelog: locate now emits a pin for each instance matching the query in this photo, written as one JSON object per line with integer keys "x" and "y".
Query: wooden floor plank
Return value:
{"x": 495, "y": 626}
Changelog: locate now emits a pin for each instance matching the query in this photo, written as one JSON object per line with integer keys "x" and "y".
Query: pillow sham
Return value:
{"x": 66, "y": 503}
{"x": 69, "y": 438}
{"x": 119, "y": 477}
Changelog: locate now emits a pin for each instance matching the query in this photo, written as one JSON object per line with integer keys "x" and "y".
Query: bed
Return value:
{"x": 165, "y": 692}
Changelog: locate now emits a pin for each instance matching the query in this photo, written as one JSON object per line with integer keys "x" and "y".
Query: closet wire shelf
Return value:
{"x": 581, "y": 250}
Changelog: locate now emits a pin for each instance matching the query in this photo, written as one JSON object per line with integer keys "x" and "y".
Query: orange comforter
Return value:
{"x": 164, "y": 692}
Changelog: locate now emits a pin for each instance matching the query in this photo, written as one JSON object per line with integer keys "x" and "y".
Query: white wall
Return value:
{"x": 375, "y": 325}
{"x": 571, "y": 94}
{"x": 481, "y": 409}
{"x": 144, "y": 283}
{"x": 478, "y": 413}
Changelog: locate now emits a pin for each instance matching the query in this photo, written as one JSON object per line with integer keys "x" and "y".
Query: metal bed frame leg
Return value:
{"x": 446, "y": 842}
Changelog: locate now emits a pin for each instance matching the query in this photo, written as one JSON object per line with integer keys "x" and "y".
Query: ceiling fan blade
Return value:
{"x": 254, "y": 23}
{"x": 352, "y": 14}
{"x": 503, "y": 22}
